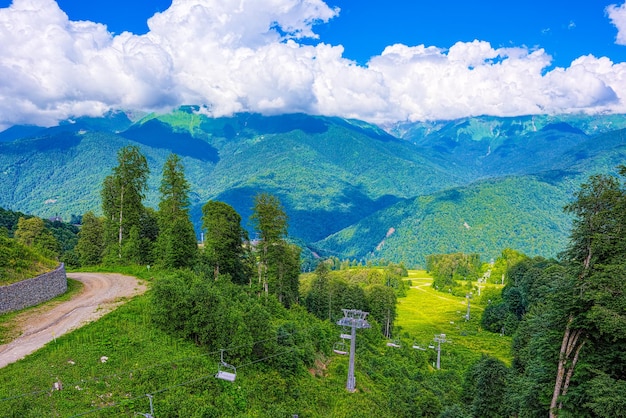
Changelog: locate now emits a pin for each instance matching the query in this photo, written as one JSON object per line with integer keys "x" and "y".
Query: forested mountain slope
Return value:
{"x": 344, "y": 183}
{"x": 328, "y": 172}
{"x": 521, "y": 212}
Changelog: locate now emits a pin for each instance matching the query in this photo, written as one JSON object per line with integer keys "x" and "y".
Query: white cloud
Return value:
{"x": 617, "y": 14}
{"x": 237, "y": 55}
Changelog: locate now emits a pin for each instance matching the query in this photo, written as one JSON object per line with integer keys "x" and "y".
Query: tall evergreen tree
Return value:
{"x": 485, "y": 386}
{"x": 177, "y": 245}
{"x": 224, "y": 241}
{"x": 122, "y": 198}
{"x": 90, "y": 244}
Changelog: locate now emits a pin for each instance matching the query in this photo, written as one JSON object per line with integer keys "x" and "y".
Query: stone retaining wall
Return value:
{"x": 34, "y": 291}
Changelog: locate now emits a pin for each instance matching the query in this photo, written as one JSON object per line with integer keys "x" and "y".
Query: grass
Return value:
{"x": 8, "y": 331}
{"x": 141, "y": 360}
{"x": 425, "y": 312}
{"x": 9, "y": 275}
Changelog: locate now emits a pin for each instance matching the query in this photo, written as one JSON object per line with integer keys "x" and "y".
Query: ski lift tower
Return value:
{"x": 440, "y": 338}
{"x": 355, "y": 319}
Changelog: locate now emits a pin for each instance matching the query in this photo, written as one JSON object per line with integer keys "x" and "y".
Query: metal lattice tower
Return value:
{"x": 441, "y": 338}
{"x": 355, "y": 319}
{"x": 467, "y": 315}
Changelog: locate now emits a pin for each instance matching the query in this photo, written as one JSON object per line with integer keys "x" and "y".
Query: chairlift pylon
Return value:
{"x": 225, "y": 371}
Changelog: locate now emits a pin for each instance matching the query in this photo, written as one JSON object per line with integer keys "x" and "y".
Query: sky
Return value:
{"x": 382, "y": 62}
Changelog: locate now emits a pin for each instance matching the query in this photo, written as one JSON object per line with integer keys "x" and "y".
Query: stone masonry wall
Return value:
{"x": 33, "y": 291}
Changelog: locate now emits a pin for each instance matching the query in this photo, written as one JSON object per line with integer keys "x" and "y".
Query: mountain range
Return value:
{"x": 351, "y": 189}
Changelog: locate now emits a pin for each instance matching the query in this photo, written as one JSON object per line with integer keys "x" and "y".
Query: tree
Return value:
{"x": 485, "y": 387}
{"x": 318, "y": 299}
{"x": 122, "y": 195}
{"x": 177, "y": 244}
{"x": 284, "y": 271}
{"x": 33, "y": 233}
{"x": 269, "y": 218}
{"x": 595, "y": 309}
{"x": 381, "y": 301}
{"x": 90, "y": 244}
{"x": 28, "y": 229}
{"x": 224, "y": 240}
{"x": 446, "y": 269}
{"x": 270, "y": 223}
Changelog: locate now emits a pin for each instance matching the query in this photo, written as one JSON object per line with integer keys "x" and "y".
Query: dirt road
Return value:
{"x": 101, "y": 293}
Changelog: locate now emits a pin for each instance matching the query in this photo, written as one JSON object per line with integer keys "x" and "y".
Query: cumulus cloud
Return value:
{"x": 617, "y": 14}
{"x": 235, "y": 55}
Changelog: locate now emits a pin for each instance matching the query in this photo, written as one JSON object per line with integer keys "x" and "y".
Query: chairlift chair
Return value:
{"x": 340, "y": 348}
{"x": 394, "y": 344}
{"x": 225, "y": 371}
{"x": 417, "y": 347}
{"x": 345, "y": 333}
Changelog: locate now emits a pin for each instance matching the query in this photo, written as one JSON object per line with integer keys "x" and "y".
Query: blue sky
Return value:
{"x": 378, "y": 61}
{"x": 564, "y": 28}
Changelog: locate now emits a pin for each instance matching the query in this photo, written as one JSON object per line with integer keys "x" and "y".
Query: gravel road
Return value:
{"x": 101, "y": 293}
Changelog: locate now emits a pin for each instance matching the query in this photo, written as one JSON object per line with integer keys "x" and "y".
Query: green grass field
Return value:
{"x": 425, "y": 312}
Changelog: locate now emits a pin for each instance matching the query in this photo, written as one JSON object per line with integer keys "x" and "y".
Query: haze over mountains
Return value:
{"x": 351, "y": 189}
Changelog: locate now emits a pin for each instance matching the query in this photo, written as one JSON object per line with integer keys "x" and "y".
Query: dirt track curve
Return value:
{"x": 101, "y": 293}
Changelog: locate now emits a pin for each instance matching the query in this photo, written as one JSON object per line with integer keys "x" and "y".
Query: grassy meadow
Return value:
{"x": 425, "y": 312}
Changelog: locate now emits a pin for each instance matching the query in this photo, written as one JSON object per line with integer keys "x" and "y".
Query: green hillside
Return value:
{"x": 19, "y": 262}
{"x": 520, "y": 212}
{"x": 292, "y": 369}
{"x": 516, "y": 212}
{"x": 351, "y": 187}
{"x": 329, "y": 172}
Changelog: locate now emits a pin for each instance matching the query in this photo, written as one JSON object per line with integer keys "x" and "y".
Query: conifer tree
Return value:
{"x": 177, "y": 244}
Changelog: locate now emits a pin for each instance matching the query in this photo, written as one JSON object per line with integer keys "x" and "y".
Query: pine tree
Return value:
{"x": 177, "y": 245}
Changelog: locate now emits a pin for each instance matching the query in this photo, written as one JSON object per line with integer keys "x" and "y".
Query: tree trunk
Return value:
{"x": 570, "y": 372}
{"x": 565, "y": 366}
{"x": 121, "y": 230}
